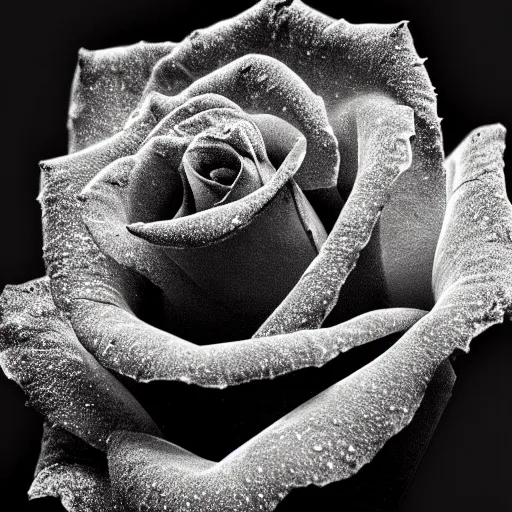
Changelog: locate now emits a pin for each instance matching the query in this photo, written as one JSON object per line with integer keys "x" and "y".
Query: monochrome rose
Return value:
{"x": 235, "y": 208}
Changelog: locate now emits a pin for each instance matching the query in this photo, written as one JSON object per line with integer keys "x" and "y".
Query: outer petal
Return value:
{"x": 380, "y": 486}
{"x": 71, "y": 470}
{"x": 77, "y": 268}
{"x": 384, "y": 153}
{"x": 128, "y": 346}
{"x": 108, "y": 85}
{"x": 39, "y": 350}
{"x": 476, "y": 239}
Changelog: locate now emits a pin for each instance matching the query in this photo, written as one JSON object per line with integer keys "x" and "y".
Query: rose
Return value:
{"x": 66, "y": 275}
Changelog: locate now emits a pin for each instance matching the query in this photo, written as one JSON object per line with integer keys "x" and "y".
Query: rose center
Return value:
{"x": 218, "y": 173}
{"x": 218, "y": 162}
{"x": 224, "y": 175}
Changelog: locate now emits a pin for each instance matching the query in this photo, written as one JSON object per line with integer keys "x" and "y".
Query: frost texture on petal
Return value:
{"x": 73, "y": 471}
{"x": 476, "y": 199}
{"x": 77, "y": 268}
{"x": 215, "y": 225}
{"x": 107, "y": 86}
{"x": 40, "y": 352}
{"x": 384, "y": 153}
{"x": 340, "y": 61}
{"x": 333, "y": 435}
{"x": 130, "y": 347}
{"x": 259, "y": 83}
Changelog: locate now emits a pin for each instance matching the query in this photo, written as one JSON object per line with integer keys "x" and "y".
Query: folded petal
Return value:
{"x": 186, "y": 256}
{"x": 107, "y": 86}
{"x": 73, "y": 261}
{"x": 383, "y": 481}
{"x": 336, "y": 59}
{"x": 40, "y": 352}
{"x": 382, "y": 484}
{"x": 384, "y": 153}
{"x": 215, "y": 225}
{"x": 73, "y": 471}
{"x": 130, "y": 347}
{"x": 327, "y": 439}
{"x": 476, "y": 239}
{"x": 259, "y": 83}
{"x": 333, "y": 435}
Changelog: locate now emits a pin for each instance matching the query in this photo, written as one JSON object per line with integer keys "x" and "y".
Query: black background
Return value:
{"x": 467, "y": 465}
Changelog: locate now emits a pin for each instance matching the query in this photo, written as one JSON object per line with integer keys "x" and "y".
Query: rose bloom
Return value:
{"x": 236, "y": 212}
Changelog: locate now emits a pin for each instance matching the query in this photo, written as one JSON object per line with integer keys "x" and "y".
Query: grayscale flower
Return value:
{"x": 230, "y": 183}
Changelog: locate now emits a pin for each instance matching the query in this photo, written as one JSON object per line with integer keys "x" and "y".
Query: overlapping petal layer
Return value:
{"x": 135, "y": 211}
{"x": 333, "y": 435}
{"x": 71, "y": 470}
{"x": 39, "y": 351}
{"x": 339, "y": 62}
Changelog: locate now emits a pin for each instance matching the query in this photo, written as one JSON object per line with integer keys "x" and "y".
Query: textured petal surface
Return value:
{"x": 39, "y": 351}
{"x": 384, "y": 153}
{"x": 476, "y": 240}
{"x": 276, "y": 221}
{"x": 77, "y": 268}
{"x": 130, "y": 347}
{"x": 73, "y": 471}
{"x": 259, "y": 83}
{"x": 339, "y": 62}
{"x": 334, "y": 434}
{"x": 107, "y": 86}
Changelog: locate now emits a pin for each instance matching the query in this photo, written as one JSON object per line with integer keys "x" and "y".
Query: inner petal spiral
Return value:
{"x": 217, "y": 173}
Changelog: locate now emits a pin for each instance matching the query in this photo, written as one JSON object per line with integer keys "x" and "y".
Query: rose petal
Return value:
{"x": 132, "y": 188}
{"x": 476, "y": 239}
{"x": 335, "y": 58}
{"x": 132, "y": 348}
{"x": 258, "y": 83}
{"x": 73, "y": 261}
{"x": 184, "y": 108}
{"x": 340, "y": 62}
{"x": 158, "y": 473}
{"x": 382, "y": 484}
{"x": 384, "y": 153}
{"x": 71, "y": 470}
{"x": 39, "y": 351}
{"x": 333, "y": 435}
{"x": 208, "y": 193}
{"x": 213, "y": 226}
{"x": 223, "y": 123}
{"x": 107, "y": 86}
